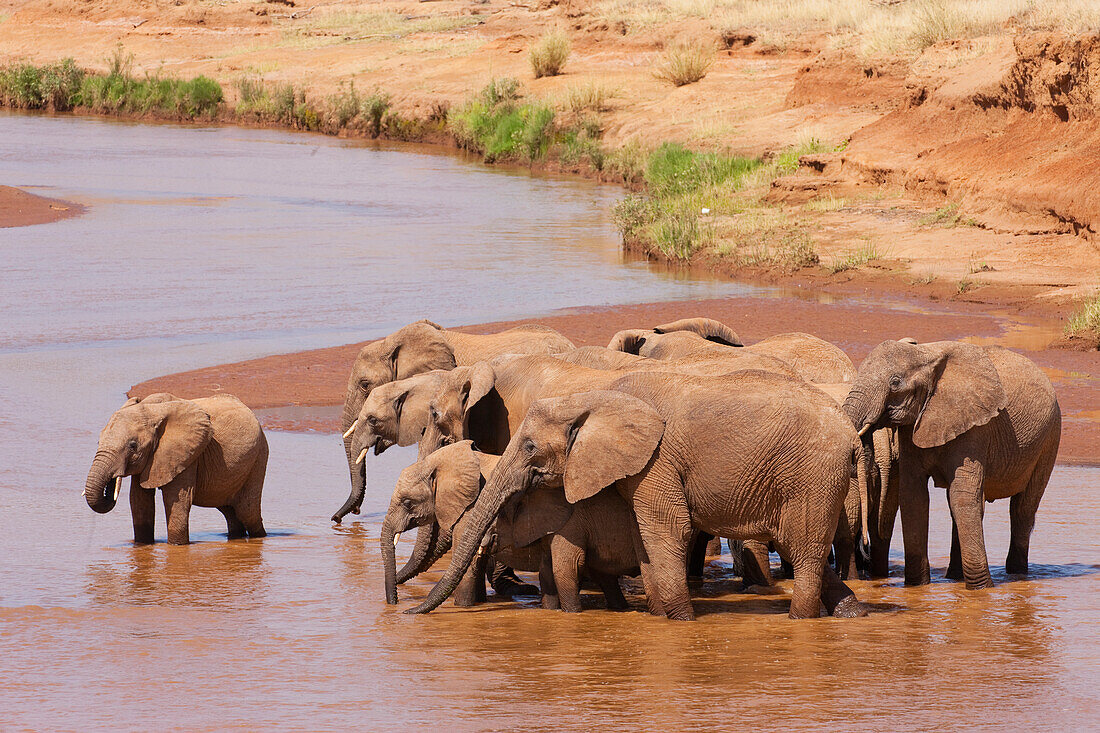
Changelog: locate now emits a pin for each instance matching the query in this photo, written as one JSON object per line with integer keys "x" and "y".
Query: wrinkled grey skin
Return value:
{"x": 425, "y": 346}
{"x": 983, "y": 422}
{"x": 539, "y": 532}
{"x": 751, "y": 456}
{"x": 207, "y": 452}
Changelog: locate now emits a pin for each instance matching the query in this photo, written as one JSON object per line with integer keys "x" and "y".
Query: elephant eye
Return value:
{"x": 407, "y": 503}
{"x": 132, "y": 445}
{"x": 364, "y": 385}
{"x": 895, "y": 383}
{"x": 529, "y": 447}
{"x": 434, "y": 413}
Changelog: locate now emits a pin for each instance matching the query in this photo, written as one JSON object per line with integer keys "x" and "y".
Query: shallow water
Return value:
{"x": 291, "y": 631}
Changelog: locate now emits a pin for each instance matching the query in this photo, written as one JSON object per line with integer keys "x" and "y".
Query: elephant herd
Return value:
{"x": 596, "y": 463}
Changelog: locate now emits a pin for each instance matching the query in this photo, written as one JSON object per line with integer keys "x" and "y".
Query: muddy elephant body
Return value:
{"x": 983, "y": 422}
{"x": 208, "y": 452}
{"x": 540, "y": 532}
{"x": 750, "y": 456}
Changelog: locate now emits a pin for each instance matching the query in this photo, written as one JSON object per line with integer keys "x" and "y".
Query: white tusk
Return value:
{"x": 863, "y": 430}
{"x": 351, "y": 430}
{"x": 396, "y": 537}
{"x": 362, "y": 455}
{"x": 118, "y": 487}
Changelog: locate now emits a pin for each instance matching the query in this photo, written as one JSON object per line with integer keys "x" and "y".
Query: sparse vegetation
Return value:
{"x": 947, "y": 216}
{"x": 590, "y": 97}
{"x": 549, "y": 55}
{"x": 792, "y": 250}
{"x": 963, "y": 285}
{"x": 330, "y": 26}
{"x": 1087, "y": 318}
{"x": 828, "y": 202}
{"x": 854, "y": 260}
{"x": 685, "y": 62}
{"x": 926, "y": 278}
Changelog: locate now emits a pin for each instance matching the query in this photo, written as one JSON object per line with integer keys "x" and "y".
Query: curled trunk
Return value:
{"x": 431, "y": 544}
{"x": 351, "y": 412}
{"x": 354, "y": 502}
{"x": 99, "y": 489}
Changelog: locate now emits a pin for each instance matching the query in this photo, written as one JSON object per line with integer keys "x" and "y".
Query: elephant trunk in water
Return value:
{"x": 430, "y": 545}
{"x": 504, "y": 483}
{"x": 388, "y": 541}
{"x": 102, "y": 487}
{"x": 351, "y": 414}
{"x": 354, "y": 502}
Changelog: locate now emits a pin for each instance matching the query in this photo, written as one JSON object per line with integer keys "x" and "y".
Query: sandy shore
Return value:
{"x": 19, "y": 208}
{"x": 317, "y": 378}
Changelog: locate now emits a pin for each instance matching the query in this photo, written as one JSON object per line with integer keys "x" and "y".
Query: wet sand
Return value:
{"x": 294, "y": 390}
{"x": 19, "y": 208}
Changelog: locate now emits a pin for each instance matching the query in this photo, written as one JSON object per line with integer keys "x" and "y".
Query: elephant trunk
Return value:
{"x": 102, "y": 487}
{"x": 425, "y": 552}
{"x": 482, "y": 516}
{"x": 862, "y": 407}
{"x": 389, "y": 559}
{"x": 354, "y": 502}
{"x": 352, "y": 404}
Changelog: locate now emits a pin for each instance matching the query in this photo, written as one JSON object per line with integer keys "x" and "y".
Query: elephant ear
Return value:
{"x": 966, "y": 394}
{"x": 539, "y": 513}
{"x": 417, "y": 348}
{"x": 457, "y": 481}
{"x": 478, "y": 382}
{"x": 629, "y": 341}
{"x": 411, "y": 402}
{"x": 611, "y": 436}
{"x": 183, "y": 429}
{"x": 708, "y": 328}
{"x": 152, "y": 399}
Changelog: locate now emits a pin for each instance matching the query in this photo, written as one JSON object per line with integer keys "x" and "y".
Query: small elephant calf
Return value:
{"x": 205, "y": 452}
{"x": 540, "y": 532}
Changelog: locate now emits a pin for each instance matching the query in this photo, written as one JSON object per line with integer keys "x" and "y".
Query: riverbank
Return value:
{"x": 294, "y": 390}
{"x": 942, "y": 146}
{"x": 19, "y": 208}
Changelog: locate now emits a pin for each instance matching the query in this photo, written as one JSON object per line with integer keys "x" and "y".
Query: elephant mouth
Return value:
{"x": 108, "y": 496}
{"x": 381, "y": 445}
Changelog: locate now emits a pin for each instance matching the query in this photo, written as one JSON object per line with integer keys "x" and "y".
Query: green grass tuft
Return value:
{"x": 1087, "y": 318}
{"x": 499, "y": 126}
{"x": 854, "y": 260}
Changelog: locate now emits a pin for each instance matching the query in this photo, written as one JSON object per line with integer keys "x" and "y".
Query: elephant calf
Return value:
{"x": 205, "y": 452}
{"x": 539, "y": 532}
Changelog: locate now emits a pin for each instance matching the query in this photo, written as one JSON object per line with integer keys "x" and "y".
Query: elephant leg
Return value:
{"x": 664, "y": 524}
{"x": 698, "y": 559}
{"x": 177, "y": 497}
{"x": 808, "y": 571}
{"x": 143, "y": 509}
{"x": 965, "y": 497}
{"x": 649, "y": 578}
{"x": 954, "y": 565}
{"x": 714, "y": 547}
{"x": 914, "y": 525}
{"x": 612, "y": 591}
{"x": 247, "y": 502}
{"x": 880, "y": 557}
{"x": 234, "y": 526}
{"x": 757, "y": 566}
{"x": 471, "y": 589}
{"x": 839, "y": 600}
{"x": 737, "y": 562}
{"x": 567, "y": 560}
{"x": 1021, "y": 512}
{"x": 550, "y": 598}
{"x": 786, "y": 568}
{"x": 844, "y": 550}
{"x": 506, "y": 583}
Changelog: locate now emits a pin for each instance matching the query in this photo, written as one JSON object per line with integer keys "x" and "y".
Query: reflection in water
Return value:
{"x": 291, "y": 631}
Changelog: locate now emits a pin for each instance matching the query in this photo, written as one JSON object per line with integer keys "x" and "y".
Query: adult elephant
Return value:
{"x": 540, "y": 532}
{"x": 751, "y": 456}
{"x": 207, "y": 452}
{"x": 983, "y": 422}
{"x": 813, "y": 358}
{"x": 424, "y": 346}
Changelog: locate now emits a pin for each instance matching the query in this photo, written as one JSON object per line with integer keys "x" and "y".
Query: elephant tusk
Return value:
{"x": 351, "y": 430}
{"x": 362, "y": 455}
{"x": 863, "y": 430}
{"x": 118, "y": 487}
{"x": 396, "y": 537}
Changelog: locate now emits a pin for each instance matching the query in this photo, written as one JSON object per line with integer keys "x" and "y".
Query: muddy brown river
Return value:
{"x": 203, "y": 246}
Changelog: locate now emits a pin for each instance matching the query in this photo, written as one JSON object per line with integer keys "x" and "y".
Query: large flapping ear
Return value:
{"x": 478, "y": 382}
{"x": 411, "y": 399}
{"x": 966, "y": 393}
{"x": 611, "y": 436}
{"x": 629, "y": 341}
{"x": 457, "y": 481}
{"x": 539, "y": 513}
{"x": 417, "y": 348}
{"x": 708, "y": 328}
{"x": 183, "y": 430}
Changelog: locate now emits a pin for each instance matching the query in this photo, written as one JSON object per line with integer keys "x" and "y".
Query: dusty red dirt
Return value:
{"x": 19, "y": 208}
{"x": 319, "y": 377}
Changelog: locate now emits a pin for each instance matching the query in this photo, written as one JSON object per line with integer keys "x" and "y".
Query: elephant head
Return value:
{"x": 679, "y": 339}
{"x": 941, "y": 389}
{"x": 576, "y": 445}
{"x": 416, "y": 348}
{"x": 432, "y": 495}
{"x": 395, "y": 413}
{"x": 153, "y": 439}
{"x": 449, "y": 410}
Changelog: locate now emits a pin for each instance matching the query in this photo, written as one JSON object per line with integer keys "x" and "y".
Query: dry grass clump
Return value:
{"x": 1086, "y": 319}
{"x": 685, "y": 62}
{"x": 549, "y": 55}
{"x": 590, "y": 97}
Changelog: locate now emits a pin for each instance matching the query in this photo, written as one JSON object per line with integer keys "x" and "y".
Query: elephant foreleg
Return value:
{"x": 756, "y": 563}
{"x": 143, "y": 509}
{"x": 471, "y": 589}
{"x": 649, "y": 578}
{"x": 914, "y": 524}
{"x": 698, "y": 560}
{"x": 547, "y": 583}
{"x": 954, "y": 565}
{"x": 567, "y": 560}
{"x": 839, "y": 600}
{"x": 234, "y": 527}
{"x": 965, "y": 496}
{"x": 612, "y": 591}
{"x": 177, "y": 497}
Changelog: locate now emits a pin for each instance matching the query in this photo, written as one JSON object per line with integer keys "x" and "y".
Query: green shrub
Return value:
{"x": 496, "y": 125}
{"x": 672, "y": 169}
{"x": 52, "y": 87}
{"x": 549, "y": 55}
